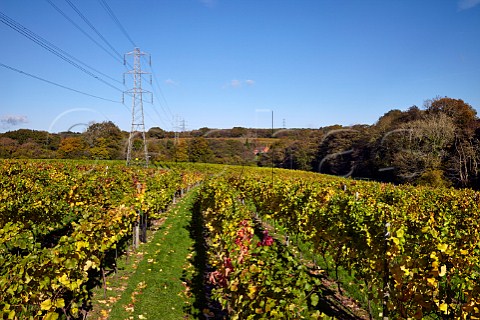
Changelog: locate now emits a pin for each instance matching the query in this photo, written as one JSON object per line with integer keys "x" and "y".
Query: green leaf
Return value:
{"x": 314, "y": 298}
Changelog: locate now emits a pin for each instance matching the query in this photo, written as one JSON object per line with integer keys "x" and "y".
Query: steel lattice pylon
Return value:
{"x": 137, "y": 152}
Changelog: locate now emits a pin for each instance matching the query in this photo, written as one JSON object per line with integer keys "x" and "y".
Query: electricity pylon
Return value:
{"x": 137, "y": 152}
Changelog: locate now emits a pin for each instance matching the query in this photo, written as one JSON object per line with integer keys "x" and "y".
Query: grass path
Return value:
{"x": 151, "y": 287}
{"x": 152, "y": 284}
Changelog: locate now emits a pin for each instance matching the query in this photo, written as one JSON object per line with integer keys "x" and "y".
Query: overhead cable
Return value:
{"x": 54, "y": 83}
{"x": 117, "y": 22}
{"x": 93, "y": 28}
{"x": 83, "y": 31}
{"x": 52, "y": 48}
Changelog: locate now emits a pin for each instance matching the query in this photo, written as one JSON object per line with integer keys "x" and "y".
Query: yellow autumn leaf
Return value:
{"x": 435, "y": 265}
{"x": 464, "y": 252}
{"x": 89, "y": 264}
{"x": 46, "y": 305}
{"x": 64, "y": 280}
{"x": 60, "y": 303}
{"x": 51, "y": 316}
{"x": 251, "y": 291}
{"x": 396, "y": 241}
{"x": 400, "y": 233}
{"x": 405, "y": 270}
{"x": 442, "y": 247}
{"x": 443, "y": 270}
{"x": 234, "y": 286}
{"x": 254, "y": 269}
{"x": 432, "y": 281}
{"x": 81, "y": 244}
{"x": 443, "y": 307}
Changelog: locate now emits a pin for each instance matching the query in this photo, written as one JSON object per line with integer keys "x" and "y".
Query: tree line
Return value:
{"x": 438, "y": 144}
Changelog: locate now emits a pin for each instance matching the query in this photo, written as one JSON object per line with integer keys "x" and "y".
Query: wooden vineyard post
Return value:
{"x": 143, "y": 226}
{"x": 136, "y": 233}
{"x": 385, "y": 288}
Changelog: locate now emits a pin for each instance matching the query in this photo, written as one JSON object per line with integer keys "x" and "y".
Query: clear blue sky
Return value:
{"x": 225, "y": 63}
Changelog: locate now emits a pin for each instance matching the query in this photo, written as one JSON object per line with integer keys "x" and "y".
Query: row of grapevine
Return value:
{"x": 60, "y": 221}
{"x": 253, "y": 275}
{"x": 414, "y": 250}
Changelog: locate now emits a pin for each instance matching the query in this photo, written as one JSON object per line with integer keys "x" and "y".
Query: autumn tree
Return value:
{"x": 8, "y": 147}
{"x": 230, "y": 151}
{"x": 181, "y": 150}
{"x": 335, "y": 151}
{"x": 72, "y": 148}
{"x": 104, "y": 140}
{"x": 423, "y": 146}
{"x": 463, "y": 115}
{"x": 31, "y": 150}
{"x": 27, "y": 135}
{"x": 464, "y": 154}
{"x": 199, "y": 150}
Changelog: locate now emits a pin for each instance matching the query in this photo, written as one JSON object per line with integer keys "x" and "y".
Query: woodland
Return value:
{"x": 437, "y": 144}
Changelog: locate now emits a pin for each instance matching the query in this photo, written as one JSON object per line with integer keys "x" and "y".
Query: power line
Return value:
{"x": 52, "y": 48}
{"x": 54, "y": 83}
{"x": 83, "y": 31}
{"x": 95, "y": 30}
{"x": 138, "y": 119}
{"x": 166, "y": 111}
{"x": 161, "y": 93}
{"x": 117, "y": 22}
{"x": 124, "y": 31}
{"x": 93, "y": 27}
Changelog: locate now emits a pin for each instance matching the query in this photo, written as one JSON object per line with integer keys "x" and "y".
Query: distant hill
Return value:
{"x": 436, "y": 145}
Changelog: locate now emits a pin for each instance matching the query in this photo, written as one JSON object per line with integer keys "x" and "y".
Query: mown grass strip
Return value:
{"x": 156, "y": 290}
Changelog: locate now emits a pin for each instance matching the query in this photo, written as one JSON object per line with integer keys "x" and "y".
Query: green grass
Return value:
{"x": 152, "y": 282}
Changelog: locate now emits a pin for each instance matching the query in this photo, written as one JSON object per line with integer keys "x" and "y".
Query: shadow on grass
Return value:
{"x": 197, "y": 280}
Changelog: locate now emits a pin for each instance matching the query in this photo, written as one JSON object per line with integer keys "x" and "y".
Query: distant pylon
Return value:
{"x": 137, "y": 152}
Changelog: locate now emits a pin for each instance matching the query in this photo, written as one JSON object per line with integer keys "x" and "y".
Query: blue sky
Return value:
{"x": 225, "y": 63}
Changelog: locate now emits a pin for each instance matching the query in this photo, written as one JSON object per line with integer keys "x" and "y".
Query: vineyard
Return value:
{"x": 266, "y": 240}
{"x": 61, "y": 224}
